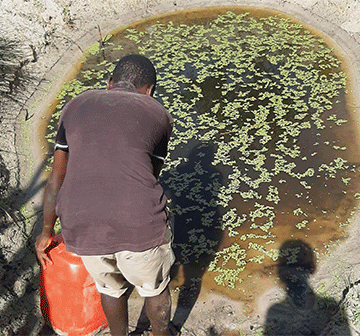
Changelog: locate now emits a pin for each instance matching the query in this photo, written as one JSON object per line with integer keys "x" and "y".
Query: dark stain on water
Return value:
{"x": 264, "y": 146}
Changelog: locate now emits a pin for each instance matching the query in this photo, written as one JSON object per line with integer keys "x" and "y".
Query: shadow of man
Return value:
{"x": 302, "y": 312}
{"x": 19, "y": 277}
{"x": 196, "y": 232}
{"x": 192, "y": 188}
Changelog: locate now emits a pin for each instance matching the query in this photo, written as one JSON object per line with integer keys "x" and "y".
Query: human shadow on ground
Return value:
{"x": 302, "y": 312}
{"x": 19, "y": 277}
{"x": 192, "y": 187}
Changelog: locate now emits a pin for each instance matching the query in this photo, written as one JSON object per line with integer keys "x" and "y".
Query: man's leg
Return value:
{"x": 158, "y": 309}
{"x": 116, "y": 312}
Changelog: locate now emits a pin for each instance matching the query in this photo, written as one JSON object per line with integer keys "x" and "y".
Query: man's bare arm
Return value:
{"x": 51, "y": 191}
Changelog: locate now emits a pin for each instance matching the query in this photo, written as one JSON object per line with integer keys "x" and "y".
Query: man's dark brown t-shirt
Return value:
{"x": 110, "y": 200}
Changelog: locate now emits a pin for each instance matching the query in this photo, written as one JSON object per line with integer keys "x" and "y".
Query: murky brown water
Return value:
{"x": 326, "y": 199}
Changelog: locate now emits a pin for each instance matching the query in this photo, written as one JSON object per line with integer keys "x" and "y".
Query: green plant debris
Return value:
{"x": 94, "y": 49}
{"x": 229, "y": 277}
{"x": 302, "y": 224}
{"x": 272, "y": 253}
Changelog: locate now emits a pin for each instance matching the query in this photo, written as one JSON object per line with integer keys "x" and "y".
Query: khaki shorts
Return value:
{"x": 148, "y": 271}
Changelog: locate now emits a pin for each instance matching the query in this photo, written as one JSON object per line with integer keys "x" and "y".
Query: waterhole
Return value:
{"x": 264, "y": 144}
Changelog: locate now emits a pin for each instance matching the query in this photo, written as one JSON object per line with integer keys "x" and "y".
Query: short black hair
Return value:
{"x": 136, "y": 69}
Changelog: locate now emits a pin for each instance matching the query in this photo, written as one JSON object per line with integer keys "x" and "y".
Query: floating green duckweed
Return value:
{"x": 262, "y": 92}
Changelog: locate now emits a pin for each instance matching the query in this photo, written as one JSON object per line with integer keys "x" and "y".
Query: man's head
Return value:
{"x": 136, "y": 69}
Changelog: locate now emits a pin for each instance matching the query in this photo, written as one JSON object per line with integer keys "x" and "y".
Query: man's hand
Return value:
{"x": 42, "y": 242}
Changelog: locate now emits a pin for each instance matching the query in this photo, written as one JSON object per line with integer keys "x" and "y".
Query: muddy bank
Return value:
{"x": 53, "y": 35}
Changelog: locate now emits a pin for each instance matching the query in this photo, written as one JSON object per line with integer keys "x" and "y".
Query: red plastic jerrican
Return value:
{"x": 69, "y": 299}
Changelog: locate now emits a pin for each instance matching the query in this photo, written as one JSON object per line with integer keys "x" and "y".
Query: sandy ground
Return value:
{"x": 54, "y": 34}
